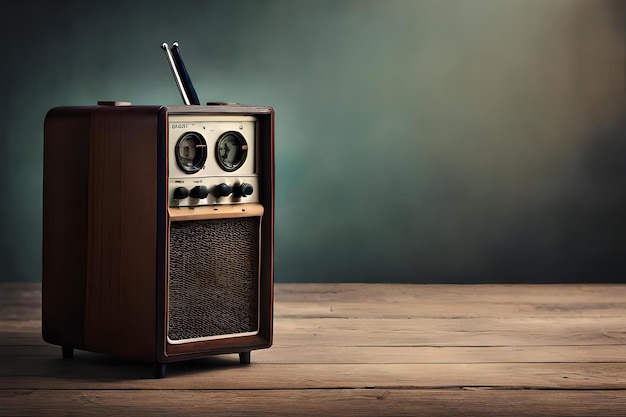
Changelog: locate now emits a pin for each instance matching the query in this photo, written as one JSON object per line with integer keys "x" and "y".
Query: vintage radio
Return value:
{"x": 158, "y": 229}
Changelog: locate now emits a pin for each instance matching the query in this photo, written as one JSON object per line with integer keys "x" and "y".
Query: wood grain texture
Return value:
{"x": 215, "y": 212}
{"x": 354, "y": 350}
{"x": 340, "y": 402}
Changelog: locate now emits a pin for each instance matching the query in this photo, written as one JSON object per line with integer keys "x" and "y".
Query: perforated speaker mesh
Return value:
{"x": 213, "y": 281}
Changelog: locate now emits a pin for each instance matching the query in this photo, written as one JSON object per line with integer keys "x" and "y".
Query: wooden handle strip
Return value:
{"x": 215, "y": 212}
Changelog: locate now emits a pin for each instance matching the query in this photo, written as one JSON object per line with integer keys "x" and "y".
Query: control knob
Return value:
{"x": 221, "y": 190}
{"x": 180, "y": 193}
{"x": 199, "y": 192}
{"x": 243, "y": 190}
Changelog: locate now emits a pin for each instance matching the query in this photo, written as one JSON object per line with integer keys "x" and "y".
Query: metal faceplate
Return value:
{"x": 214, "y": 154}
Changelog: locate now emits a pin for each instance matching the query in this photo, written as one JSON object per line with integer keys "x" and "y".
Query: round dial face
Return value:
{"x": 191, "y": 152}
{"x": 231, "y": 151}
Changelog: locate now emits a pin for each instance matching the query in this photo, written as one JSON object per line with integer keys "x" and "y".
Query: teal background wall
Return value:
{"x": 417, "y": 141}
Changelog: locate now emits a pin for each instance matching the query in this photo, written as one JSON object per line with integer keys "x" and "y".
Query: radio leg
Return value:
{"x": 68, "y": 352}
{"x": 159, "y": 370}
{"x": 244, "y": 358}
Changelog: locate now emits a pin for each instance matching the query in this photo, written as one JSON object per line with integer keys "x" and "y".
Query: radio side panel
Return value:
{"x": 65, "y": 188}
{"x": 267, "y": 153}
{"x": 120, "y": 291}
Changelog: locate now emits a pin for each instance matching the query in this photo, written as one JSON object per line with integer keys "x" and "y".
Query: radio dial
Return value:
{"x": 222, "y": 190}
{"x": 191, "y": 152}
{"x": 231, "y": 150}
{"x": 180, "y": 193}
{"x": 199, "y": 191}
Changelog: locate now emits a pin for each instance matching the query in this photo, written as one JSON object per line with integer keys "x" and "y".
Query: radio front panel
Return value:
{"x": 212, "y": 160}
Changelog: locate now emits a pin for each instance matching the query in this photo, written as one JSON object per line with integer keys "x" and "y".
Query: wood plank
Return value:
{"x": 344, "y": 402}
{"x": 455, "y": 332}
{"x": 226, "y": 373}
{"x": 448, "y": 301}
{"x": 20, "y": 355}
{"x": 410, "y": 333}
{"x": 20, "y": 301}
{"x": 397, "y": 301}
{"x": 390, "y": 294}
{"x": 413, "y": 332}
{"x": 435, "y": 309}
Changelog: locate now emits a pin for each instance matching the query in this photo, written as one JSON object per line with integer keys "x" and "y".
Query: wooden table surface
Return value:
{"x": 353, "y": 349}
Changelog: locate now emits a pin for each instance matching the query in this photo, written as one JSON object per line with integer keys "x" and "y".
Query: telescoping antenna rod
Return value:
{"x": 184, "y": 75}
{"x": 179, "y": 83}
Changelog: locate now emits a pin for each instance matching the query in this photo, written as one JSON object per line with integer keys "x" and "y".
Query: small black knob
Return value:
{"x": 221, "y": 190}
{"x": 199, "y": 191}
{"x": 181, "y": 193}
{"x": 243, "y": 190}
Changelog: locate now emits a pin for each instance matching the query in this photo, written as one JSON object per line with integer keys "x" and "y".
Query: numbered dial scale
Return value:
{"x": 212, "y": 160}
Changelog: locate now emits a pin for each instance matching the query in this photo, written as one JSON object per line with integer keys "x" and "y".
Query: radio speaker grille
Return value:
{"x": 213, "y": 278}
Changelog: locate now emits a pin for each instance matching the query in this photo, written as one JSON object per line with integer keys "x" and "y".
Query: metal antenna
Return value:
{"x": 179, "y": 83}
